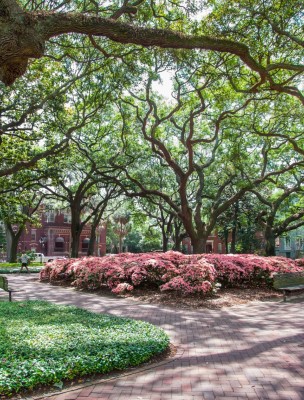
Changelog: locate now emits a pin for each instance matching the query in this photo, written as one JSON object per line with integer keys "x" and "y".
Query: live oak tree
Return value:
{"x": 75, "y": 175}
{"x": 160, "y": 215}
{"x": 238, "y": 226}
{"x": 153, "y": 210}
{"x": 32, "y": 115}
{"x": 34, "y": 112}
{"x": 264, "y": 40}
{"x": 18, "y": 209}
{"x": 251, "y": 51}
{"x": 76, "y": 185}
{"x": 194, "y": 136}
{"x": 281, "y": 119}
{"x": 282, "y": 207}
{"x": 264, "y": 214}
{"x": 38, "y": 126}
{"x": 20, "y": 205}
{"x": 98, "y": 207}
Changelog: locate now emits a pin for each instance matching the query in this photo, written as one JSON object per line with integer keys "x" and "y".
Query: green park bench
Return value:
{"x": 4, "y": 286}
{"x": 291, "y": 283}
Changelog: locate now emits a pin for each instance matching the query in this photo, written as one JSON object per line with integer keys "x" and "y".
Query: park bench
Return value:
{"x": 291, "y": 283}
{"x": 4, "y": 286}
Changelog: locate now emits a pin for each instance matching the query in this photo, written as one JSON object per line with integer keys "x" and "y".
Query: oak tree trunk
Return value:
{"x": 270, "y": 242}
{"x": 165, "y": 241}
{"x": 12, "y": 240}
{"x": 92, "y": 242}
{"x": 199, "y": 245}
{"x": 233, "y": 240}
{"x": 76, "y": 229}
{"x": 178, "y": 243}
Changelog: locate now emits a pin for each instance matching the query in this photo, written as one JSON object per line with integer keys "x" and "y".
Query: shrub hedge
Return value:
{"x": 186, "y": 274}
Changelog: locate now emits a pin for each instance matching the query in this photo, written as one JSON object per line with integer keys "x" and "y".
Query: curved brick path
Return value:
{"x": 244, "y": 352}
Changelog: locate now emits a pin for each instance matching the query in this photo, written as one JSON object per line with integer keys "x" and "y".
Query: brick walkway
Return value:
{"x": 245, "y": 352}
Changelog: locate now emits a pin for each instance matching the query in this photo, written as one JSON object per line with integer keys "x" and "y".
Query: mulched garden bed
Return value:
{"x": 227, "y": 297}
{"x": 224, "y": 298}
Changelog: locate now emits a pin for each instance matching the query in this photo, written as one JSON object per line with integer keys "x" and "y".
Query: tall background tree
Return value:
{"x": 232, "y": 125}
{"x": 195, "y": 139}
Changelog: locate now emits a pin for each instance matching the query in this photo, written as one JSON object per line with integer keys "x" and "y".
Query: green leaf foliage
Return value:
{"x": 42, "y": 343}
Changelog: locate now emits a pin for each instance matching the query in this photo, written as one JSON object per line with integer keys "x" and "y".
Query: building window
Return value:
{"x": 33, "y": 235}
{"x": 59, "y": 244}
{"x": 67, "y": 218}
{"x": 50, "y": 217}
{"x": 85, "y": 244}
{"x": 300, "y": 243}
{"x": 209, "y": 247}
{"x": 287, "y": 243}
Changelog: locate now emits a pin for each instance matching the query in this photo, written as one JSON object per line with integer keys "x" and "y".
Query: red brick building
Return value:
{"x": 53, "y": 237}
{"x": 214, "y": 245}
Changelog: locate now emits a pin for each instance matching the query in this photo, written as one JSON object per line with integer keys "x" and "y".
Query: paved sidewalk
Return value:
{"x": 244, "y": 352}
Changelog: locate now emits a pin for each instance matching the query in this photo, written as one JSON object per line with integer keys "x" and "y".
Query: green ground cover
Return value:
{"x": 43, "y": 343}
{"x": 11, "y": 268}
{"x": 17, "y": 265}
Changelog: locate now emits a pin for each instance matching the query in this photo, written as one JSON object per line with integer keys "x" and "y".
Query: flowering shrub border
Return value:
{"x": 170, "y": 271}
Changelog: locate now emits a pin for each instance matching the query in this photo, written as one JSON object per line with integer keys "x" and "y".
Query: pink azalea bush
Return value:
{"x": 123, "y": 272}
{"x": 300, "y": 262}
{"x": 170, "y": 271}
{"x": 195, "y": 277}
{"x": 248, "y": 269}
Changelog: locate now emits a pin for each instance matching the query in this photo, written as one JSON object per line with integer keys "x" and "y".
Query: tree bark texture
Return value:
{"x": 199, "y": 245}
{"x": 165, "y": 242}
{"x": 13, "y": 250}
{"x": 75, "y": 242}
{"x": 76, "y": 229}
{"x": 270, "y": 241}
{"x": 92, "y": 242}
{"x": 12, "y": 240}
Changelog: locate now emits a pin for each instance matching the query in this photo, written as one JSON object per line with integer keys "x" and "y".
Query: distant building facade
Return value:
{"x": 53, "y": 237}
{"x": 291, "y": 245}
{"x": 214, "y": 245}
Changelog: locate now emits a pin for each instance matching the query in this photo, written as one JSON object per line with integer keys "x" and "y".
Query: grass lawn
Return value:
{"x": 43, "y": 343}
{"x": 11, "y": 268}
{"x": 18, "y": 264}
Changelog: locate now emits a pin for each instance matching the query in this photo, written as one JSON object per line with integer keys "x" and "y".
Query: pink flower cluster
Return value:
{"x": 186, "y": 274}
{"x": 248, "y": 269}
{"x": 123, "y": 272}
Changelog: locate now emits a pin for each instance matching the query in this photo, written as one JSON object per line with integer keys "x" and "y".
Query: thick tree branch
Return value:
{"x": 30, "y": 163}
{"x": 24, "y": 37}
{"x": 286, "y": 227}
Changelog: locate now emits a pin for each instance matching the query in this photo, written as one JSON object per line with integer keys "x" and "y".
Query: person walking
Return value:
{"x": 24, "y": 261}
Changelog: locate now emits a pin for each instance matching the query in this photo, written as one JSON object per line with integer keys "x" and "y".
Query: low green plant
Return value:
{"x": 15, "y": 265}
{"x": 14, "y": 270}
{"x": 43, "y": 343}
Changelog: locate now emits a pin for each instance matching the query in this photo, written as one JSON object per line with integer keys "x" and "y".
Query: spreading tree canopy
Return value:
{"x": 264, "y": 38}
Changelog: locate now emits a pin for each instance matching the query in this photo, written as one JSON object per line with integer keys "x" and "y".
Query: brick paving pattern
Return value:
{"x": 252, "y": 351}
